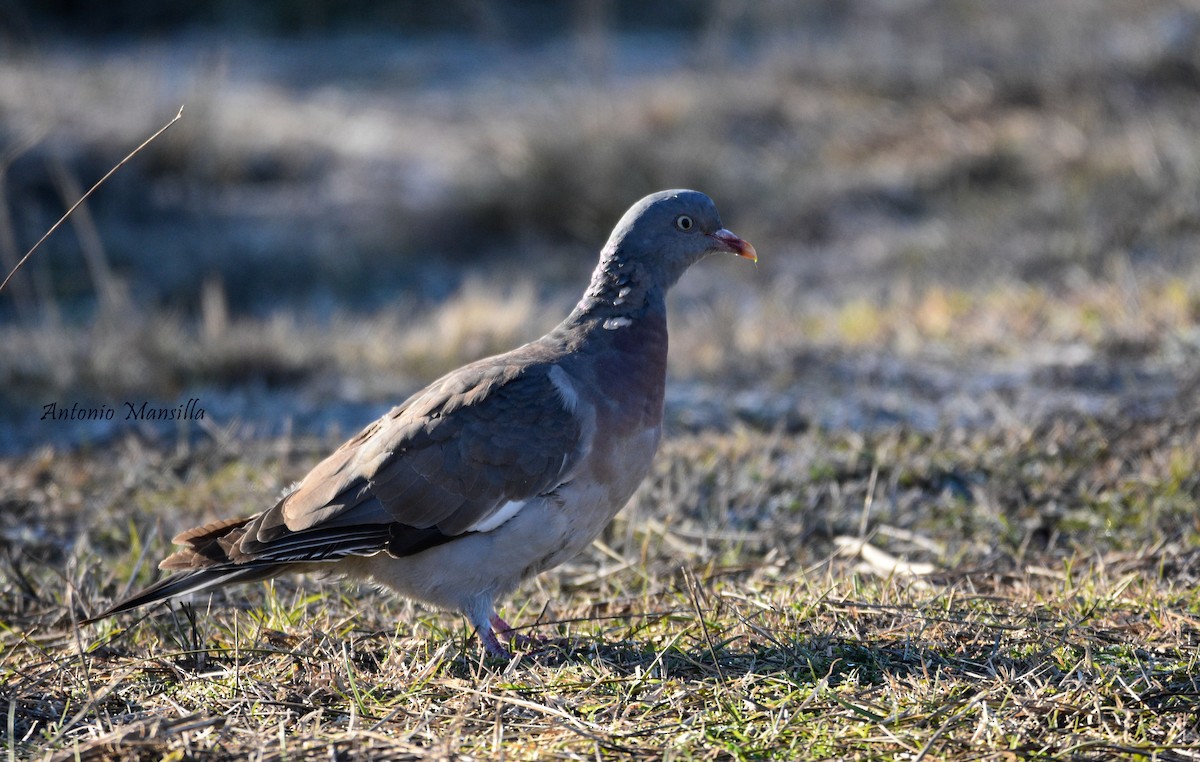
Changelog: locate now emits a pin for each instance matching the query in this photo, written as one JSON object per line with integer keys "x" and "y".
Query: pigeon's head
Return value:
{"x": 666, "y": 232}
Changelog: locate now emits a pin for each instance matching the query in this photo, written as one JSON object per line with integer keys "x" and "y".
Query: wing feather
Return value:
{"x": 490, "y": 435}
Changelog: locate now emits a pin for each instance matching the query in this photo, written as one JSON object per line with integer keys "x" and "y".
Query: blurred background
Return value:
{"x": 966, "y": 211}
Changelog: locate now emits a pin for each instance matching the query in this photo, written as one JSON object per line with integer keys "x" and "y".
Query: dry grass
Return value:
{"x": 1020, "y": 584}
{"x": 1052, "y": 616}
{"x": 1149, "y": 319}
{"x": 1012, "y": 576}
{"x": 722, "y": 616}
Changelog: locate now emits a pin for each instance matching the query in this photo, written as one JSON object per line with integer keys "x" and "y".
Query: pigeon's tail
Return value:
{"x": 190, "y": 582}
{"x": 209, "y": 561}
{"x": 228, "y": 552}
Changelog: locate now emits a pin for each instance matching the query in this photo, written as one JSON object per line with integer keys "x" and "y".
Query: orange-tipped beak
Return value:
{"x": 731, "y": 243}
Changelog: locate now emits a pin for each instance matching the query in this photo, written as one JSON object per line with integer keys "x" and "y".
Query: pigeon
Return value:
{"x": 497, "y": 471}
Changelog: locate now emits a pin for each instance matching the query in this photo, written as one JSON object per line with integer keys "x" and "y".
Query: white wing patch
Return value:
{"x": 570, "y": 400}
{"x": 506, "y": 512}
{"x": 566, "y": 390}
{"x": 614, "y": 323}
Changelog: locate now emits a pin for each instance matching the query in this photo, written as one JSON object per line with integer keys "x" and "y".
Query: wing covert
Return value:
{"x": 446, "y": 459}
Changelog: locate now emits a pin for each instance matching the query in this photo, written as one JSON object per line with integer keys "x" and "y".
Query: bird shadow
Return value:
{"x": 800, "y": 660}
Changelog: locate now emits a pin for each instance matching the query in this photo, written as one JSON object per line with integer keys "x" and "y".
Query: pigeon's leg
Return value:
{"x": 492, "y": 643}
{"x": 505, "y": 630}
{"x": 500, "y": 626}
{"x": 482, "y": 615}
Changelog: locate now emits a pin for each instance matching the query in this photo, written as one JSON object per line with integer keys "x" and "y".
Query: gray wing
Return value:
{"x": 439, "y": 465}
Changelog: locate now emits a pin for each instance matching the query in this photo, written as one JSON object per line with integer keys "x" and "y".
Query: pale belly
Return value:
{"x": 593, "y": 498}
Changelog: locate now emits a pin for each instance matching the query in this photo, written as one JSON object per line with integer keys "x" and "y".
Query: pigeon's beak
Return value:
{"x": 727, "y": 241}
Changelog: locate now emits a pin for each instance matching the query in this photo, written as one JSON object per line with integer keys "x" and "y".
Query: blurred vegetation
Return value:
{"x": 350, "y": 188}
{"x": 859, "y": 144}
{"x": 524, "y": 18}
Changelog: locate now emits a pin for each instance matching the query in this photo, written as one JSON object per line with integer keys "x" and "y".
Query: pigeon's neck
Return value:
{"x": 618, "y": 294}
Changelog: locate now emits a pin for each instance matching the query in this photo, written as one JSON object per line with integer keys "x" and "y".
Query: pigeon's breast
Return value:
{"x": 584, "y": 506}
{"x": 633, "y": 373}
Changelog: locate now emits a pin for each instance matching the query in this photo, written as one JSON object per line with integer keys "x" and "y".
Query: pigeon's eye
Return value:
{"x": 684, "y": 223}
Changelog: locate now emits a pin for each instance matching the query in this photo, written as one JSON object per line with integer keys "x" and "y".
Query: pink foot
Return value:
{"x": 504, "y": 630}
{"x": 492, "y": 643}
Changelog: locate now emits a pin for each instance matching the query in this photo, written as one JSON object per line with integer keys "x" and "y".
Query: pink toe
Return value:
{"x": 493, "y": 644}
{"x": 500, "y": 626}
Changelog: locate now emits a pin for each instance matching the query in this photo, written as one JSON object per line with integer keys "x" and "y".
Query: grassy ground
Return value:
{"x": 1015, "y": 586}
{"x": 730, "y": 627}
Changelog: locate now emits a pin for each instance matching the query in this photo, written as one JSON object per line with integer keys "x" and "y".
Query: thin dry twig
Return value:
{"x": 84, "y": 197}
